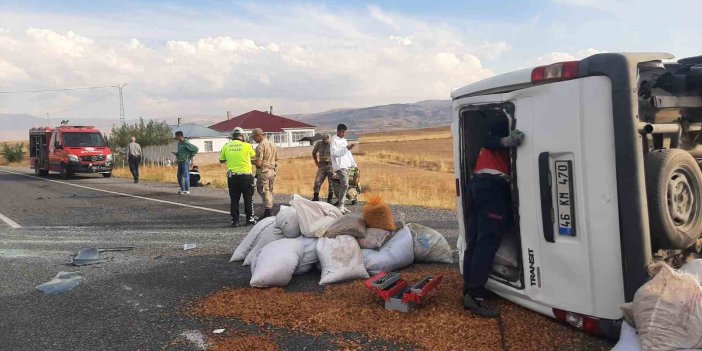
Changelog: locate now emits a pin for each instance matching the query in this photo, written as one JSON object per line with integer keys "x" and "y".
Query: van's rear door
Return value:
{"x": 568, "y": 197}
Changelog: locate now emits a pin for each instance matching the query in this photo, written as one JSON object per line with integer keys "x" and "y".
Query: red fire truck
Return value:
{"x": 68, "y": 150}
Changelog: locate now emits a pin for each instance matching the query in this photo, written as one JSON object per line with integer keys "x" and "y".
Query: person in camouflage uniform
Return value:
{"x": 265, "y": 161}
{"x": 354, "y": 186}
{"x": 322, "y": 158}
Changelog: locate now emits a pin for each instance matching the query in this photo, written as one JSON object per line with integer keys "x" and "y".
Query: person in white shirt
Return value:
{"x": 342, "y": 160}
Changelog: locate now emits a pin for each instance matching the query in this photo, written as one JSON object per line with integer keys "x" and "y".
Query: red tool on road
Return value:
{"x": 398, "y": 294}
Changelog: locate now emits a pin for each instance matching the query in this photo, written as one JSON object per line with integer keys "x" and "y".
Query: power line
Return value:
{"x": 82, "y": 105}
{"x": 55, "y": 90}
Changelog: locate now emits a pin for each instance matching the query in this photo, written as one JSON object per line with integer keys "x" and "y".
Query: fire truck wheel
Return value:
{"x": 107, "y": 175}
{"x": 674, "y": 189}
{"x": 64, "y": 172}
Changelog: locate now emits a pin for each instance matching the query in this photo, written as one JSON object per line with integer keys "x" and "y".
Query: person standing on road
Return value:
{"x": 265, "y": 161}
{"x": 238, "y": 156}
{"x": 342, "y": 160}
{"x": 184, "y": 155}
{"x": 134, "y": 158}
{"x": 489, "y": 211}
{"x": 324, "y": 167}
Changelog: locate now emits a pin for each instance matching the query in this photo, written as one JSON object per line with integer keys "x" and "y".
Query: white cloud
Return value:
{"x": 360, "y": 60}
{"x": 553, "y": 57}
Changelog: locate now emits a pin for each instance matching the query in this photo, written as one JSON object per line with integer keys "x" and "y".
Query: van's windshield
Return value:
{"x": 83, "y": 139}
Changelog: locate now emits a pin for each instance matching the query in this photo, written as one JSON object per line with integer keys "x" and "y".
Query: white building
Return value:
{"x": 284, "y": 132}
{"x": 206, "y": 139}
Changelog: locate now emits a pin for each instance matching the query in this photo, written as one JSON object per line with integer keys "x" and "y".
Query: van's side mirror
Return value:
{"x": 57, "y": 145}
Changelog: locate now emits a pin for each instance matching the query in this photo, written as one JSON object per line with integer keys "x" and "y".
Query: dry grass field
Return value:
{"x": 25, "y": 147}
{"x": 402, "y": 168}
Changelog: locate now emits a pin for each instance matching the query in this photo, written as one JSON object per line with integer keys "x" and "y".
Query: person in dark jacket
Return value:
{"x": 489, "y": 209}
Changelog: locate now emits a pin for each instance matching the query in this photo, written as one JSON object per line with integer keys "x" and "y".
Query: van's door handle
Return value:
{"x": 546, "y": 196}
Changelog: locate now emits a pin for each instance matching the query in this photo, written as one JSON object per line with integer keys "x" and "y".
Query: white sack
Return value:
{"x": 269, "y": 234}
{"x": 275, "y": 263}
{"x": 506, "y": 255}
{"x": 314, "y": 216}
{"x": 397, "y": 253}
{"x": 286, "y": 220}
{"x": 347, "y": 225}
{"x": 694, "y": 268}
{"x": 461, "y": 247}
{"x": 430, "y": 245}
{"x": 341, "y": 259}
{"x": 667, "y": 311}
{"x": 628, "y": 339}
{"x": 309, "y": 255}
{"x": 252, "y": 238}
{"x": 374, "y": 239}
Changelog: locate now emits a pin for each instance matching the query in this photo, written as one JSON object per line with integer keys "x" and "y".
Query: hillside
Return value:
{"x": 423, "y": 114}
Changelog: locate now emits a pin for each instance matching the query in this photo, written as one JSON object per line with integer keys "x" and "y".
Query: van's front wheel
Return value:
{"x": 674, "y": 189}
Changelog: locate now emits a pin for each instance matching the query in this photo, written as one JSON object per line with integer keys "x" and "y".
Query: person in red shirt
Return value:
{"x": 489, "y": 209}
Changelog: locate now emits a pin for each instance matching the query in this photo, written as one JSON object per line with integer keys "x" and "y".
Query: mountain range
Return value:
{"x": 423, "y": 114}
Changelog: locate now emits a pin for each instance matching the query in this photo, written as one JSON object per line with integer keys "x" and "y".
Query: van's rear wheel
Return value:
{"x": 674, "y": 189}
{"x": 107, "y": 175}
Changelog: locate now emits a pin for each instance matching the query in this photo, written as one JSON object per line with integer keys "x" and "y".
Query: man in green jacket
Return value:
{"x": 186, "y": 152}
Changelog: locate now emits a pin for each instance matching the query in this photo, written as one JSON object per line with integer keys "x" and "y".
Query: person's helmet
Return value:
{"x": 237, "y": 132}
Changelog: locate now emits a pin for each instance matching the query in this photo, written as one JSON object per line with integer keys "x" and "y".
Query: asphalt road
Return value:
{"x": 136, "y": 300}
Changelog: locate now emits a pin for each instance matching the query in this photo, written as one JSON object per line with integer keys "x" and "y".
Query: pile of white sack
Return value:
{"x": 666, "y": 313}
{"x": 308, "y": 234}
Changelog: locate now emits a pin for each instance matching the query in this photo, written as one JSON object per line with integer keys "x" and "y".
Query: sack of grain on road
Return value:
{"x": 507, "y": 254}
{"x": 309, "y": 255}
{"x": 347, "y": 225}
{"x": 314, "y": 216}
{"x": 693, "y": 267}
{"x": 430, "y": 245}
{"x": 341, "y": 259}
{"x": 376, "y": 214}
{"x": 275, "y": 263}
{"x": 269, "y": 234}
{"x": 252, "y": 238}
{"x": 287, "y": 221}
{"x": 667, "y": 310}
{"x": 374, "y": 239}
{"x": 396, "y": 254}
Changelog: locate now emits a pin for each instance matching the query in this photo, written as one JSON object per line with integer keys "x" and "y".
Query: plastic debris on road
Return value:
{"x": 91, "y": 255}
{"x": 189, "y": 246}
{"x": 218, "y": 331}
{"x": 62, "y": 282}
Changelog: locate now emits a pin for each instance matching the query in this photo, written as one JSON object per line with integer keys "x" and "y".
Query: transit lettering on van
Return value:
{"x": 532, "y": 270}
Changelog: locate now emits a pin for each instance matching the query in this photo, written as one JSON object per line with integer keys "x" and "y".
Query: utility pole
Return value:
{"x": 121, "y": 104}
{"x": 48, "y": 123}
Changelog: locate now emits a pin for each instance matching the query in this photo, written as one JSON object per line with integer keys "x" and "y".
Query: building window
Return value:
{"x": 208, "y": 146}
{"x": 299, "y": 135}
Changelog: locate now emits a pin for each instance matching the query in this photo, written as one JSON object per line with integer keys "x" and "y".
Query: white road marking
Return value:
{"x": 111, "y": 192}
{"x": 9, "y": 222}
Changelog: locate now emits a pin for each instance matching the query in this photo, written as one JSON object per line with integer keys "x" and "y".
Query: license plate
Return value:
{"x": 564, "y": 198}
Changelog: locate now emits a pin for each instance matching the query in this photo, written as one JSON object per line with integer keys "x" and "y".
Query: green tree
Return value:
{"x": 13, "y": 153}
{"x": 147, "y": 134}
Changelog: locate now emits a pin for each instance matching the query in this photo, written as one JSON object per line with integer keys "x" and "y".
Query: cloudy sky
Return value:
{"x": 206, "y": 57}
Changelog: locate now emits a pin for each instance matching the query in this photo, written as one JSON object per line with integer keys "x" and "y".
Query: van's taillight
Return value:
{"x": 458, "y": 187}
{"x": 588, "y": 324}
{"x": 556, "y": 71}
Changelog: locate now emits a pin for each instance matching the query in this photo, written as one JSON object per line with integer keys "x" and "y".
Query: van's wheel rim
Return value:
{"x": 682, "y": 202}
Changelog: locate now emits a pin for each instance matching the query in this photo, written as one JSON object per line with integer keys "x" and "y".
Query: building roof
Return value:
{"x": 270, "y": 123}
{"x": 194, "y": 131}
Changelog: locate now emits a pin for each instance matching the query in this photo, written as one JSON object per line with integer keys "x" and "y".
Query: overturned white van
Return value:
{"x": 606, "y": 182}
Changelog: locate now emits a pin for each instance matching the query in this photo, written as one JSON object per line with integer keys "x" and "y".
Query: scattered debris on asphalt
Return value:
{"x": 218, "y": 331}
{"x": 196, "y": 338}
{"x": 62, "y": 282}
{"x": 88, "y": 256}
{"x": 189, "y": 246}
{"x": 245, "y": 343}
{"x": 93, "y": 255}
{"x": 442, "y": 325}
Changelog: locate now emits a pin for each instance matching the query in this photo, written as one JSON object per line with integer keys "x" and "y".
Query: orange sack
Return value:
{"x": 376, "y": 214}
